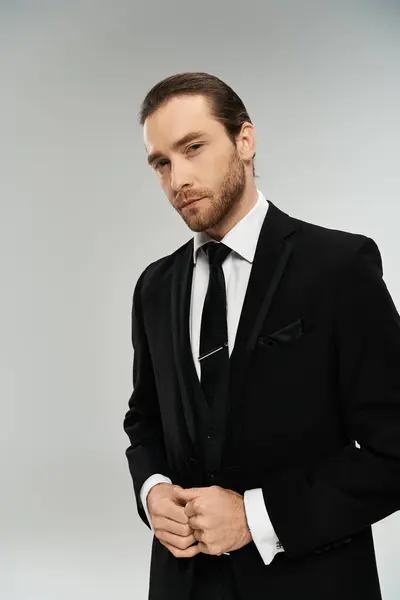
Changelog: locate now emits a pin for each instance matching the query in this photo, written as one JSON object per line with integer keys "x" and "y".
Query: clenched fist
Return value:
{"x": 170, "y": 523}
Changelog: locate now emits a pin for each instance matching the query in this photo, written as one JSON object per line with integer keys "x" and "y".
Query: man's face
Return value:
{"x": 206, "y": 165}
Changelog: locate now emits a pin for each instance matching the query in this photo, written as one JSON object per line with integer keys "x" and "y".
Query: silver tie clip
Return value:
{"x": 213, "y": 351}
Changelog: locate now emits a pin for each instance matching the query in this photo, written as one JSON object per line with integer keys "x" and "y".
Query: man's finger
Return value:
{"x": 180, "y": 542}
{"x": 177, "y": 513}
{"x": 181, "y": 529}
{"x": 195, "y": 524}
{"x": 188, "y": 553}
{"x": 189, "y": 494}
{"x": 189, "y": 510}
{"x": 203, "y": 548}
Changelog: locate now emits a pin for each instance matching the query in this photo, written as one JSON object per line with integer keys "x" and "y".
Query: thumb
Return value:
{"x": 188, "y": 494}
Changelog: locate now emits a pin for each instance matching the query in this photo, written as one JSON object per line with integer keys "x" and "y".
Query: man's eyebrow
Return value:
{"x": 183, "y": 140}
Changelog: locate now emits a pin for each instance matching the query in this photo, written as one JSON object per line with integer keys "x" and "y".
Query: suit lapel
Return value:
{"x": 272, "y": 254}
{"x": 271, "y": 258}
{"x": 190, "y": 388}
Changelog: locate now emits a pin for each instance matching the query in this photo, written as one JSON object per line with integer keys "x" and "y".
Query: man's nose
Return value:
{"x": 180, "y": 177}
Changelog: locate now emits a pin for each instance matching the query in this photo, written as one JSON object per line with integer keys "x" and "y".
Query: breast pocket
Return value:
{"x": 284, "y": 336}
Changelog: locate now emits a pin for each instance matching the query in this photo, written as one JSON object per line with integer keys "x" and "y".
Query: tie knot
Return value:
{"x": 216, "y": 252}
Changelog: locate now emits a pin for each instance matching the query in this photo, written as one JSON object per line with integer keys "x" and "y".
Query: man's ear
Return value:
{"x": 246, "y": 142}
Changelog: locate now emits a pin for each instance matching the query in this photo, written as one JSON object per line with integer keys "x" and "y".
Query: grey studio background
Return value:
{"x": 82, "y": 215}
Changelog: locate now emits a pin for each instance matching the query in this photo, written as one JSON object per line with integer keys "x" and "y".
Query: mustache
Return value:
{"x": 190, "y": 195}
{"x": 182, "y": 199}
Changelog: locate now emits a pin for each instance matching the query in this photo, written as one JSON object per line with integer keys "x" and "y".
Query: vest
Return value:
{"x": 211, "y": 427}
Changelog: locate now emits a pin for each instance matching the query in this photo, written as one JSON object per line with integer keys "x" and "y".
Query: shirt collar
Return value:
{"x": 243, "y": 237}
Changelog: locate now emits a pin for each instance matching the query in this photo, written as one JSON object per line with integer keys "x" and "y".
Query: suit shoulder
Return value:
{"x": 332, "y": 246}
{"x": 160, "y": 269}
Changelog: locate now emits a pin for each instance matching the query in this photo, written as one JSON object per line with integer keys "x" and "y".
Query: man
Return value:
{"x": 265, "y": 417}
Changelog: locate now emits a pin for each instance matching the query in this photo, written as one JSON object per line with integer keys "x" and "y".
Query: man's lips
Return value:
{"x": 191, "y": 201}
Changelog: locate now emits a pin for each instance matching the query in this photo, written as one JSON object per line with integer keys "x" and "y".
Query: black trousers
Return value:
{"x": 214, "y": 578}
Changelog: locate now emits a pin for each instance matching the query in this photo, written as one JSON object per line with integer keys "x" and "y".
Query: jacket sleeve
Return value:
{"x": 315, "y": 509}
{"x": 142, "y": 423}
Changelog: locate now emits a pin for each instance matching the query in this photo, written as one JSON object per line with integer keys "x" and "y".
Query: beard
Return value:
{"x": 218, "y": 206}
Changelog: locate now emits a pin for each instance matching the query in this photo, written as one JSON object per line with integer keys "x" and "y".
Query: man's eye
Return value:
{"x": 159, "y": 164}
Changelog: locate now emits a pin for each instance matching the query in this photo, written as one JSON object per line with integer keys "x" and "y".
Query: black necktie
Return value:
{"x": 214, "y": 351}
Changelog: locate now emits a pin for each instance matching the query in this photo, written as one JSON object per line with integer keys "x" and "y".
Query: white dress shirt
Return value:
{"x": 242, "y": 239}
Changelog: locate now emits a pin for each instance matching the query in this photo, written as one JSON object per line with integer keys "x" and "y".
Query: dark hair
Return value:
{"x": 225, "y": 104}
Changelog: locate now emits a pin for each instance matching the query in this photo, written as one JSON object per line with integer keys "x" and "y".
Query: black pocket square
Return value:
{"x": 288, "y": 333}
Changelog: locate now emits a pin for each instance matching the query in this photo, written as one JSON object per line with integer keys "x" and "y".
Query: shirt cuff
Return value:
{"x": 260, "y": 525}
{"x": 145, "y": 489}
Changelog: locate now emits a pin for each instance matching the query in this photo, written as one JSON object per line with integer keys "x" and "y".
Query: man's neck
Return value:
{"x": 247, "y": 202}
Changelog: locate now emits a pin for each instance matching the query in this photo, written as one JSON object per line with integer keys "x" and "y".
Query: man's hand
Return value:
{"x": 217, "y": 517}
{"x": 169, "y": 521}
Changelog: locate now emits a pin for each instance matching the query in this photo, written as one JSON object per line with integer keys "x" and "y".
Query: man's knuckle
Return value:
{"x": 182, "y": 543}
{"x": 159, "y": 534}
{"x": 208, "y": 540}
{"x": 154, "y": 521}
{"x": 163, "y": 503}
{"x": 197, "y": 505}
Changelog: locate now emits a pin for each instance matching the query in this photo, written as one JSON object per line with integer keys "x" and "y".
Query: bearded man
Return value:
{"x": 264, "y": 422}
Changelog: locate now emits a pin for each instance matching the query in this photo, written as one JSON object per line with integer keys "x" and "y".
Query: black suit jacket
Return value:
{"x": 315, "y": 368}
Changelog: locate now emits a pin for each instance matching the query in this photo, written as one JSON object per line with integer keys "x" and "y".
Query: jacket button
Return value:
{"x": 213, "y": 475}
